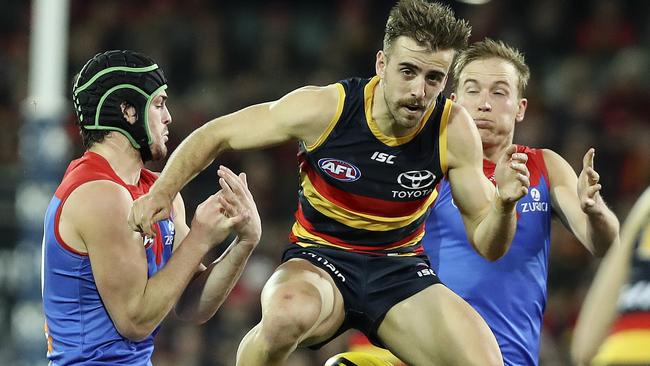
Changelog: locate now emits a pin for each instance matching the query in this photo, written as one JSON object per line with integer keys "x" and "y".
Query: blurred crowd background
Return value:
{"x": 590, "y": 86}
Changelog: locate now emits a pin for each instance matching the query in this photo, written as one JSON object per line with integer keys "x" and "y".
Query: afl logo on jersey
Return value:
{"x": 339, "y": 169}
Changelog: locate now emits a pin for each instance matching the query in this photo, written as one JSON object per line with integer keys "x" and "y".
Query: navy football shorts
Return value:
{"x": 371, "y": 285}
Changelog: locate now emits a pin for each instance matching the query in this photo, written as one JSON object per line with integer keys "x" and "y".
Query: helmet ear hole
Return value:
{"x": 129, "y": 113}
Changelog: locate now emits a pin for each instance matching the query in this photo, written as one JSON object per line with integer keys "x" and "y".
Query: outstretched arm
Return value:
{"x": 302, "y": 114}
{"x": 577, "y": 201}
{"x": 209, "y": 288}
{"x": 489, "y": 215}
{"x": 599, "y": 308}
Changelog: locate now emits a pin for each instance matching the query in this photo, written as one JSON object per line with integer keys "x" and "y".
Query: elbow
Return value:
{"x": 601, "y": 250}
{"x": 195, "y": 319}
{"x": 493, "y": 256}
{"x": 132, "y": 331}
{"x": 192, "y": 315}
{"x": 187, "y": 317}
{"x": 200, "y": 320}
{"x": 599, "y": 253}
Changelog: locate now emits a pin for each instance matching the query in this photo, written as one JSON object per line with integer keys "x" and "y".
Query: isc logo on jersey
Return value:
{"x": 339, "y": 169}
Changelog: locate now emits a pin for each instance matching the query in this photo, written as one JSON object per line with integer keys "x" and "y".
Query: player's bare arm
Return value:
{"x": 600, "y": 305}
{"x": 208, "y": 290}
{"x": 136, "y": 303}
{"x": 300, "y": 115}
{"x": 578, "y": 204}
{"x": 489, "y": 218}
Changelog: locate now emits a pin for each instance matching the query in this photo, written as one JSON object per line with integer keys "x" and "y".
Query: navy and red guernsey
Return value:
{"x": 363, "y": 191}
{"x": 78, "y": 328}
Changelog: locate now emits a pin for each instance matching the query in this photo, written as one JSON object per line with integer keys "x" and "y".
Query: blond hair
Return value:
{"x": 429, "y": 23}
{"x": 489, "y": 48}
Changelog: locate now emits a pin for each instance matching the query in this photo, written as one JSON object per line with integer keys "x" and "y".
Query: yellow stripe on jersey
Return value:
{"x": 368, "y": 95}
{"x": 333, "y": 122}
{"x": 442, "y": 145}
{"x": 355, "y": 219}
{"x": 299, "y": 231}
{"x": 302, "y": 233}
{"x": 627, "y": 347}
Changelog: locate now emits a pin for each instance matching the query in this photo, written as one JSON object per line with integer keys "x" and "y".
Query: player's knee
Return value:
{"x": 290, "y": 315}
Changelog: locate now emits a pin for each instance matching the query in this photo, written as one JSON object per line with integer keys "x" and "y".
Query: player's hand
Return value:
{"x": 212, "y": 223}
{"x": 238, "y": 200}
{"x": 588, "y": 186}
{"x": 511, "y": 175}
{"x": 149, "y": 209}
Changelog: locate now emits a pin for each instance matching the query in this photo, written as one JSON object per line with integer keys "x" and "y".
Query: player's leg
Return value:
{"x": 437, "y": 327}
{"x": 301, "y": 305}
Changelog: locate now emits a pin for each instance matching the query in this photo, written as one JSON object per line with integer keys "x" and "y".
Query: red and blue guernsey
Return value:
{"x": 510, "y": 293}
{"x": 78, "y": 328}
{"x": 363, "y": 191}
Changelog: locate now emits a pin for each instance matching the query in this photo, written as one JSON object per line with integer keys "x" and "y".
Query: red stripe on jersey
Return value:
{"x": 158, "y": 244}
{"x": 635, "y": 320}
{"x": 362, "y": 204}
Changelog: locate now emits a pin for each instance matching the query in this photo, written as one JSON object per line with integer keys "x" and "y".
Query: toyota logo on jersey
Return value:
{"x": 339, "y": 169}
{"x": 416, "y": 179}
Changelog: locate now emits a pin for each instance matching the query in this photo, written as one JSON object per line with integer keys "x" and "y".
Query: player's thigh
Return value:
{"x": 437, "y": 325}
{"x": 305, "y": 294}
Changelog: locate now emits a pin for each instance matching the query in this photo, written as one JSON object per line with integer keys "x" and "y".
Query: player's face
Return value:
{"x": 159, "y": 118}
{"x": 412, "y": 77}
{"x": 488, "y": 89}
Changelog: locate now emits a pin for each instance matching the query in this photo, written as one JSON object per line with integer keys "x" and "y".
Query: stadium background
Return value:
{"x": 589, "y": 87}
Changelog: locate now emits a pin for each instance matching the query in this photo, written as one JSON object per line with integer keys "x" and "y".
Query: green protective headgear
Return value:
{"x": 111, "y": 78}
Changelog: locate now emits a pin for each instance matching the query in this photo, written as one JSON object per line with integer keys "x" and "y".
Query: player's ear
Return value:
{"x": 128, "y": 112}
{"x": 521, "y": 109}
{"x": 380, "y": 64}
{"x": 453, "y": 97}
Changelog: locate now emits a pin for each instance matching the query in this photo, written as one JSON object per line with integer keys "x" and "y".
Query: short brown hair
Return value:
{"x": 428, "y": 23}
{"x": 489, "y": 48}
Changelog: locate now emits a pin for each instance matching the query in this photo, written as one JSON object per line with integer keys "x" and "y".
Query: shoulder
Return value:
{"x": 95, "y": 201}
{"x": 317, "y": 99}
{"x": 558, "y": 169}
{"x": 554, "y": 162}
{"x": 463, "y": 140}
{"x": 460, "y": 126}
{"x": 306, "y": 112}
{"x": 460, "y": 117}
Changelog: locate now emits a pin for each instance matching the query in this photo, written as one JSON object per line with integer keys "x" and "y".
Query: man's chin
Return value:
{"x": 158, "y": 155}
{"x": 409, "y": 121}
